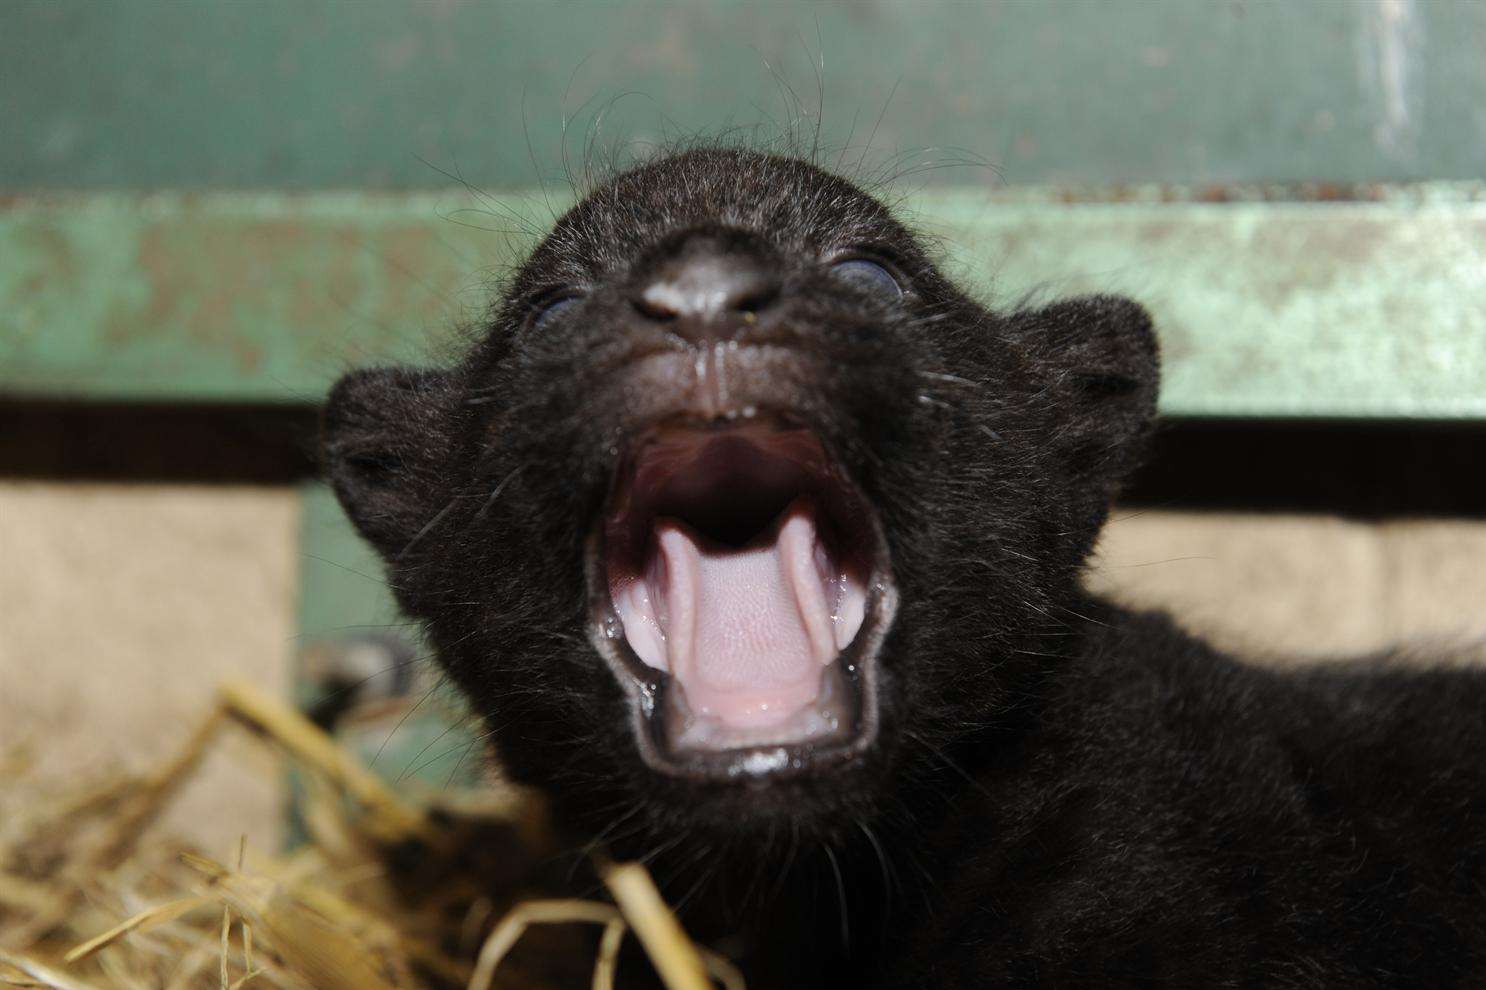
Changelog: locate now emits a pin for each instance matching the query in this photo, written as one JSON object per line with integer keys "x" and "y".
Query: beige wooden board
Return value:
{"x": 121, "y": 609}
{"x": 1291, "y": 587}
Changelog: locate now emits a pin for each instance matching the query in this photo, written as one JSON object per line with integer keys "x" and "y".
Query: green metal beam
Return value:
{"x": 311, "y": 94}
{"x": 1265, "y": 307}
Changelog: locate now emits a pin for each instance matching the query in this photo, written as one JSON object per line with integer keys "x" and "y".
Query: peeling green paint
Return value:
{"x": 1266, "y": 307}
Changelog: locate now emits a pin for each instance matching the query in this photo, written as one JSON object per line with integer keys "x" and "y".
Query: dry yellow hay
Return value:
{"x": 92, "y": 899}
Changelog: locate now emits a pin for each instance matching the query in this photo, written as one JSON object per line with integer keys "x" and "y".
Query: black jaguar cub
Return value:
{"x": 757, "y": 545}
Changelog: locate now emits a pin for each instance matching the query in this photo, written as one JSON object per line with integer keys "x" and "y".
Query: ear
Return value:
{"x": 1099, "y": 367}
{"x": 384, "y": 438}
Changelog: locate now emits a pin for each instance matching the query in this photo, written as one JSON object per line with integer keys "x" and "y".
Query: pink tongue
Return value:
{"x": 747, "y": 631}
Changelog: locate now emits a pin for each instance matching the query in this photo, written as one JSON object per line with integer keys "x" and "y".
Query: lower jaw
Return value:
{"x": 829, "y": 717}
{"x": 762, "y": 758}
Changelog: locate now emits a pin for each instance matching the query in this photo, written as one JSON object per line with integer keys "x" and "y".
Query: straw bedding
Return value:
{"x": 384, "y": 894}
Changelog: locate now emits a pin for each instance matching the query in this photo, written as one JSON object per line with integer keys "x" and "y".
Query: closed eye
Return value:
{"x": 549, "y": 312}
{"x": 868, "y": 277}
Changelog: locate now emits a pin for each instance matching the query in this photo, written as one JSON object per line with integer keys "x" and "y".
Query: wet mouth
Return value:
{"x": 739, "y": 588}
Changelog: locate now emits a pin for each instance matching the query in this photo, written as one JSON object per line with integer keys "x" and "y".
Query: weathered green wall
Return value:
{"x": 1266, "y": 307}
{"x": 1350, "y": 309}
{"x": 299, "y": 94}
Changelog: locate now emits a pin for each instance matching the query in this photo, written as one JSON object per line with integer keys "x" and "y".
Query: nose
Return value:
{"x": 707, "y": 292}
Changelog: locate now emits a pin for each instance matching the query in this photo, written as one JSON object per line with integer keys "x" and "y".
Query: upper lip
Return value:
{"x": 663, "y": 382}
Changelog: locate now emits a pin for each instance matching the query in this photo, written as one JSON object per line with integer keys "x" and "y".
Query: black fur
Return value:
{"x": 1062, "y": 793}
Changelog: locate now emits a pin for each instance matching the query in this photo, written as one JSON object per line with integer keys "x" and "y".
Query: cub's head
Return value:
{"x": 740, "y": 514}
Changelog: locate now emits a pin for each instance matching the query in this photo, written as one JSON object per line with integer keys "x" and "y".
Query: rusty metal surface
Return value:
{"x": 255, "y": 297}
{"x": 1266, "y": 307}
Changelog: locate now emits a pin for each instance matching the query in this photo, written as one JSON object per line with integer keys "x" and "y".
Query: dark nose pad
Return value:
{"x": 707, "y": 294}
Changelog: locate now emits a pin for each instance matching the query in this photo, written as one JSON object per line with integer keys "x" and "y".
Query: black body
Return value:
{"x": 1058, "y": 792}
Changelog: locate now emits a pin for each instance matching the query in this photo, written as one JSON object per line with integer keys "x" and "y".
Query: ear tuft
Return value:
{"x": 384, "y": 435}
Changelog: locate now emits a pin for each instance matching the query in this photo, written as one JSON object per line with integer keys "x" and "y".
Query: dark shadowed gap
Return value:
{"x": 1364, "y": 469}
{"x": 132, "y": 442}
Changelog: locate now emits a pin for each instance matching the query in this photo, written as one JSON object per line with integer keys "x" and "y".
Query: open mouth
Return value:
{"x": 740, "y": 588}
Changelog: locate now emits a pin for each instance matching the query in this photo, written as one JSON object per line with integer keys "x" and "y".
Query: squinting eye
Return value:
{"x": 869, "y": 277}
{"x": 553, "y": 311}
